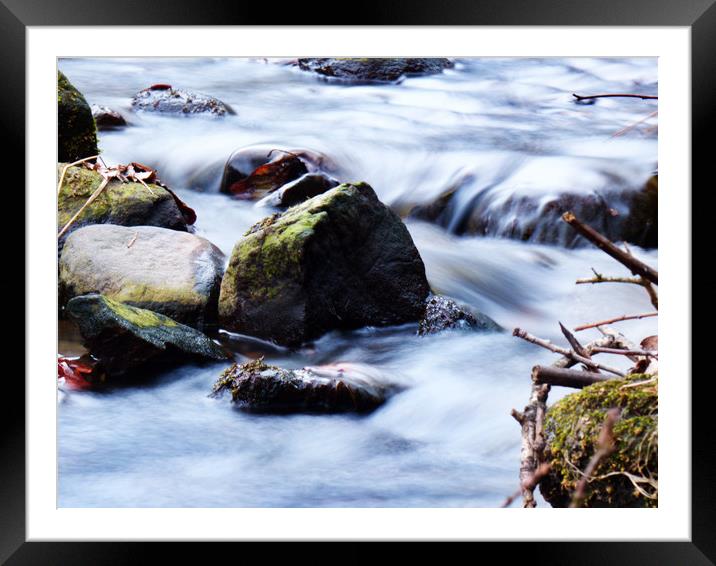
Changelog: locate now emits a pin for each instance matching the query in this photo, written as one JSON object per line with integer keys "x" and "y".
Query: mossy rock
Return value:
{"x": 122, "y": 337}
{"x": 76, "y": 131}
{"x": 374, "y": 70}
{"x": 572, "y": 427}
{"x": 340, "y": 260}
{"x": 641, "y": 226}
{"x": 338, "y": 388}
{"x": 124, "y": 204}
{"x": 170, "y": 272}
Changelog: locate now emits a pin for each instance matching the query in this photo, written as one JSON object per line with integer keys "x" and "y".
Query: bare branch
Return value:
{"x": 634, "y": 265}
{"x": 564, "y": 351}
{"x": 547, "y": 375}
{"x": 617, "y": 319}
{"x": 605, "y": 446}
{"x": 616, "y": 95}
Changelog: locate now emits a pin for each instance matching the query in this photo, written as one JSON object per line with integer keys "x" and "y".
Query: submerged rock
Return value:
{"x": 107, "y": 119}
{"x": 303, "y": 188}
{"x": 340, "y": 260}
{"x": 125, "y": 204}
{"x": 572, "y": 427}
{"x": 336, "y": 388}
{"x": 374, "y": 69}
{"x": 613, "y": 213}
{"x": 442, "y": 313}
{"x": 76, "y": 133}
{"x": 267, "y": 178}
{"x": 122, "y": 337}
{"x": 173, "y": 273}
{"x": 165, "y": 99}
{"x": 247, "y": 161}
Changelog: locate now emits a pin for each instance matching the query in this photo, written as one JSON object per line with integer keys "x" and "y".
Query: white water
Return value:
{"x": 448, "y": 439}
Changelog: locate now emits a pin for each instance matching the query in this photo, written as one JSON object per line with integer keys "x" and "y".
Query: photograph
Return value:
{"x": 342, "y": 282}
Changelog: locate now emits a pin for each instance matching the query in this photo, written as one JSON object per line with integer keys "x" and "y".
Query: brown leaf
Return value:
{"x": 650, "y": 343}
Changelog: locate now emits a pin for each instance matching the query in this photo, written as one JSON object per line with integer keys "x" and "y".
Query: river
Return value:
{"x": 504, "y": 125}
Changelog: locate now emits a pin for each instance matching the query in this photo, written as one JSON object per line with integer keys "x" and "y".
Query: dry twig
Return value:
{"x": 605, "y": 446}
{"x": 564, "y": 351}
{"x": 617, "y": 319}
{"x": 616, "y": 95}
{"x": 634, "y": 265}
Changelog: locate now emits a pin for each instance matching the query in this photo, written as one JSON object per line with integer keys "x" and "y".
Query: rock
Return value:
{"x": 125, "y": 204}
{"x": 168, "y": 100}
{"x": 76, "y": 133}
{"x": 173, "y": 273}
{"x": 122, "y": 337}
{"x": 442, "y": 313}
{"x": 244, "y": 161}
{"x": 106, "y": 118}
{"x": 373, "y": 69}
{"x": 294, "y": 192}
{"x": 572, "y": 427}
{"x": 268, "y": 177}
{"x": 527, "y": 217}
{"x": 641, "y": 226}
{"x": 341, "y": 260}
{"x": 337, "y": 388}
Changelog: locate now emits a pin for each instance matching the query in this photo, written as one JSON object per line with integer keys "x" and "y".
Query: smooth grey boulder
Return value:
{"x": 173, "y": 273}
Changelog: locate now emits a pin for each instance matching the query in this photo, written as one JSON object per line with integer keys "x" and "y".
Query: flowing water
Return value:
{"x": 503, "y": 127}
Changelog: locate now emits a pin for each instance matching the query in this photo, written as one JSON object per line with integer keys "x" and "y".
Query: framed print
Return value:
{"x": 392, "y": 279}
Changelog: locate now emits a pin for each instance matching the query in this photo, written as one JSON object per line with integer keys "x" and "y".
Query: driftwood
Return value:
{"x": 531, "y": 420}
{"x": 550, "y": 375}
{"x": 564, "y": 351}
{"x": 634, "y": 265}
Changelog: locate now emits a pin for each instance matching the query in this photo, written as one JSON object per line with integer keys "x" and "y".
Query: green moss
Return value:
{"x": 141, "y": 318}
{"x": 115, "y": 204}
{"x": 572, "y": 426}
{"x": 272, "y": 250}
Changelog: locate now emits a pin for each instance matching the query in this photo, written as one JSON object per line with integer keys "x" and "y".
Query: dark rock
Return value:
{"x": 168, "y": 100}
{"x": 173, "y": 273}
{"x": 341, "y": 260}
{"x": 267, "y": 178}
{"x": 76, "y": 133}
{"x": 572, "y": 428}
{"x": 245, "y": 161}
{"x": 641, "y": 226}
{"x": 531, "y": 218}
{"x": 107, "y": 119}
{"x": 125, "y": 204}
{"x": 123, "y": 337}
{"x": 442, "y": 313}
{"x": 373, "y": 69}
{"x": 337, "y": 388}
{"x": 303, "y": 188}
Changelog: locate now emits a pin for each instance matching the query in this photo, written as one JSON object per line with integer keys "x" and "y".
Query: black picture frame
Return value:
{"x": 699, "y": 15}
